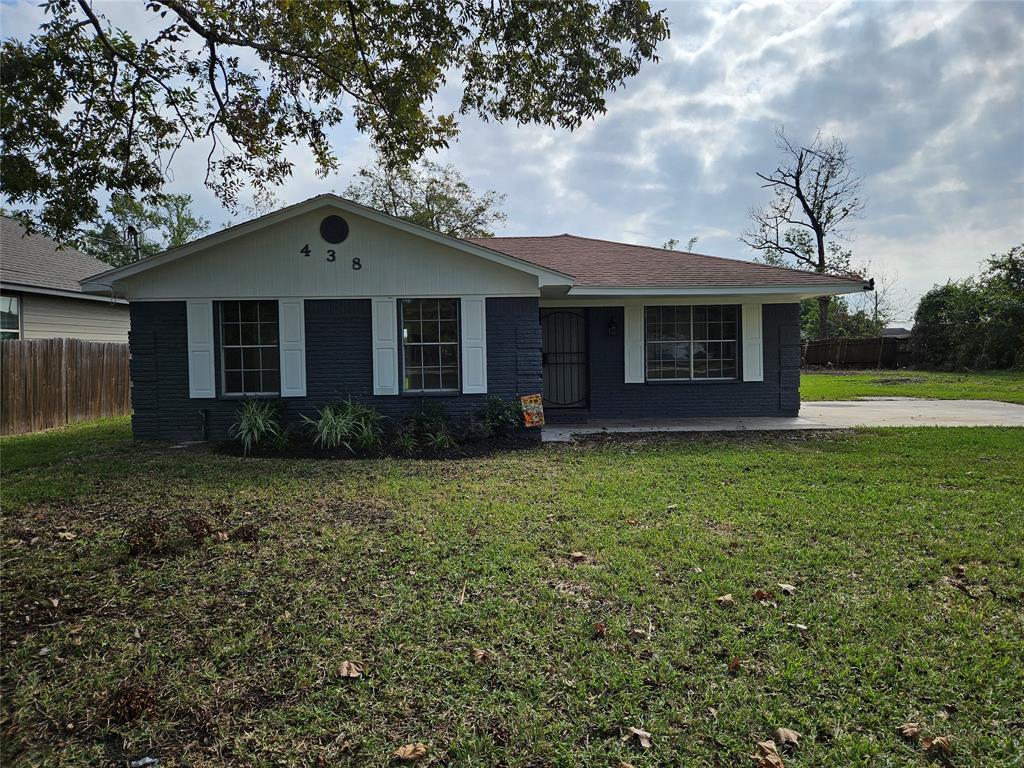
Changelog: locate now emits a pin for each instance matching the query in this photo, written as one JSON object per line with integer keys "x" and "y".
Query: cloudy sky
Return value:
{"x": 929, "y": 97}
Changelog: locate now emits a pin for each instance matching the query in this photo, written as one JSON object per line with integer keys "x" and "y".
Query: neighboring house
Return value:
{"x": 896, "y": 332}
{"x": 328, "y": 299}
{"x": 40, "y": 294}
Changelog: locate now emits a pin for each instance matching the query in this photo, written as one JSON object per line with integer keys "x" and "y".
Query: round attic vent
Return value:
{"x": 333, "y": 229}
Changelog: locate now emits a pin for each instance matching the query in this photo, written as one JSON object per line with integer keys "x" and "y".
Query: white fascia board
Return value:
{"x": 104, "y": 281}
{"x": 17, "y": 287}
{"x": 797, "y": 292}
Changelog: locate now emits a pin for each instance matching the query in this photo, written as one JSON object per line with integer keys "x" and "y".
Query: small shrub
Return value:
{"x": 476, "y": 431}
{"x": 502, "y": 417}
{"x": 439, "y": 440}
{"x": 258, "y": 423}
{"x": 405, "y": 441}
{"x": 429, "y": 417}
{"x": 350, "y": 425}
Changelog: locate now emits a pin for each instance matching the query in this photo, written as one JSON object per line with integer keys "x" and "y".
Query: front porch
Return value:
{"x": 566, "y": 432}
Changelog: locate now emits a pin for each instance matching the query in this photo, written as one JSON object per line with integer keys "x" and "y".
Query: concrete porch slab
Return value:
{"x": 840, "y": 414}
{"x": 564, "y": 433}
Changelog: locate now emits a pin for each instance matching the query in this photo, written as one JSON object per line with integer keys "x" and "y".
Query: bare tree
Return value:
{"x": 889, "y": 301}
{"x": 815, "y": 191}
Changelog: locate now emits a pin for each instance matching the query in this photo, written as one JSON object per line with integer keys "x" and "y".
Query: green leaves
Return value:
{"x": 90, "y": 109}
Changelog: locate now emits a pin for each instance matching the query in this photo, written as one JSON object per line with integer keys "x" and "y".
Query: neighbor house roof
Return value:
{"x": 37, "y": 264}
{"x": 603, "y": 263}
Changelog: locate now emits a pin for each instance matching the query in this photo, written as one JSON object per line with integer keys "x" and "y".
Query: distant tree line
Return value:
{"x": 975, "y": 323}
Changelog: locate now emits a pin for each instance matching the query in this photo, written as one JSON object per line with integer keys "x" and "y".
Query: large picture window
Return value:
{"x": 10, "y": 317}
{"x": 691, "y": 342}
{"x": 250, "y": 360}
{"x": 430, "y": 345}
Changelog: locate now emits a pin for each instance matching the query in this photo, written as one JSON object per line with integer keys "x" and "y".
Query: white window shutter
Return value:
{"x": 753, "y": 347}
{"x": 384, "y": 324}
{"x": 291, "y": 320}
{"x": 633, "y": 339}
{"x": 199, "y": 318}
{"x": 474, "y": 344}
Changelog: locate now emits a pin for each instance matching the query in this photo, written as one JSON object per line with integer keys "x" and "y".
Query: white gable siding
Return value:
{"x": 269, "y": 263}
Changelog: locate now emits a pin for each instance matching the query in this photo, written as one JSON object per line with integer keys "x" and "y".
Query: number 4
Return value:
{"x": 305, "y": 250}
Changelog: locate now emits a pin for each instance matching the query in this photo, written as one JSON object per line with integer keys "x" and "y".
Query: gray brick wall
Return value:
{"x": 778, "y": 394}
{"x": 338, "y": 365}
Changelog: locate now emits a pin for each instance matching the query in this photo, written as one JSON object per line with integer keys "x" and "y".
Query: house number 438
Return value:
{"x": 331, "y": 256}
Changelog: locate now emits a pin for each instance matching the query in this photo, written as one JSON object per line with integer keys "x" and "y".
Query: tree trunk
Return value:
{"x": 823, "y": 302}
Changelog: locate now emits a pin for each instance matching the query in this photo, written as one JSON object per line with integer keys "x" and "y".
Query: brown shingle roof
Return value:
{"x": 35, "y": 260}
{"x": 609, "y": 264}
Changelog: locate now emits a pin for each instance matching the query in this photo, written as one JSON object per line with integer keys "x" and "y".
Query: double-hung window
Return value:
{"x": 691, "y": 342}
{"x": 430, "y": 345}
{"x": 10, "y": 317}
{"x": 250, "y": 358}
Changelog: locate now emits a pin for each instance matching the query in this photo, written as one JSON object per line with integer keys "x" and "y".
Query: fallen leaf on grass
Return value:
{"x": 221, "y": 536}
{"x": 763, "y": 596}
{"x": 480, "y": 656}
{"x": 67, "y": 535}
{"x": 787, "y": 738}
{"x": 642, "y": 737}
{"x": 54, "y": 601}
{"x": 726, "y": 600}
{"x": 600, "y": 629}
{"x": 943, "y": 744}
{"x": 735, "y": 665}
{"x": 787, "y": 589}
{"x": 409, "y": 752}
{"x": 672, "y": 507}
{"x": 766, "y": 755}
{"x": 350, "y": 669}
{"x": 910, "y": 731}
{"x": 577, "y": 557}
{"x": 639, "y": 634}
{"x": 624, "y": 764}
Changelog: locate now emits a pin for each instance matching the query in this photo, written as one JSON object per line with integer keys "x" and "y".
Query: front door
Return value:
{"x": 564, "y": 353}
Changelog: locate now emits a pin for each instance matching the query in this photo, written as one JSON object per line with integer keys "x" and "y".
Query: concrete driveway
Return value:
{"x": 913, "y": 412}
{"x": 839, "y": 414}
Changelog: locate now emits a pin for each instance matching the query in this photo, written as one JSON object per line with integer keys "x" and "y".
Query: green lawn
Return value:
{"x": 849, "y": 385}
{"x": 225, "y": 650}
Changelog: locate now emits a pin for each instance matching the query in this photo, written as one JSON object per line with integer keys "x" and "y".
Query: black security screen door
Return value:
{"x": 564, "y": 348}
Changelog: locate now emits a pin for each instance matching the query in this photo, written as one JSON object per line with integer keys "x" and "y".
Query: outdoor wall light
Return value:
{"x": 613, "y": 329}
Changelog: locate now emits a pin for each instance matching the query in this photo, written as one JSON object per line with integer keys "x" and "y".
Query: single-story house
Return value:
{"x": 40, "y": 293}
{"x": 328, "y": 299}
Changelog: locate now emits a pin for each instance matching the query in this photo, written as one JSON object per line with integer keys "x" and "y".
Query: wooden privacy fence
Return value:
{"x": 872, "y": 352}
{"x": 52, "y": 382}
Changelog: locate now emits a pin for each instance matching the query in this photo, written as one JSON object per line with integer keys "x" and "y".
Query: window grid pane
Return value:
{"x": 699, "y": 342}
{"x": 430, "y": 341}
{"x": 249, "y": 348}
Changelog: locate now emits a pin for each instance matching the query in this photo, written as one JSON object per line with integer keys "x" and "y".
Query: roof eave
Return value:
{"x": 61, "y": 292}
{"x": 797, "y": 291}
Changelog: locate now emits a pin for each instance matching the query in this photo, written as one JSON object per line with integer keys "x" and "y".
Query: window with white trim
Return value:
{"x": 682, "y": 343}
{"x": 250, "y": 358}
{"x": 10, "y": 317}
{"x": 430, "y": 345}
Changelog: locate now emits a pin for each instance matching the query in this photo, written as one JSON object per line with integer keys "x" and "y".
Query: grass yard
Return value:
{"x": 1007, "y": 386}
{"x": 224, "y": 645}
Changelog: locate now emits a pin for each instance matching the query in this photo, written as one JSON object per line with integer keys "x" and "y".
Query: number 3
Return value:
{"x": 330, "y": 254}
{"x": 356, "y": 263}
